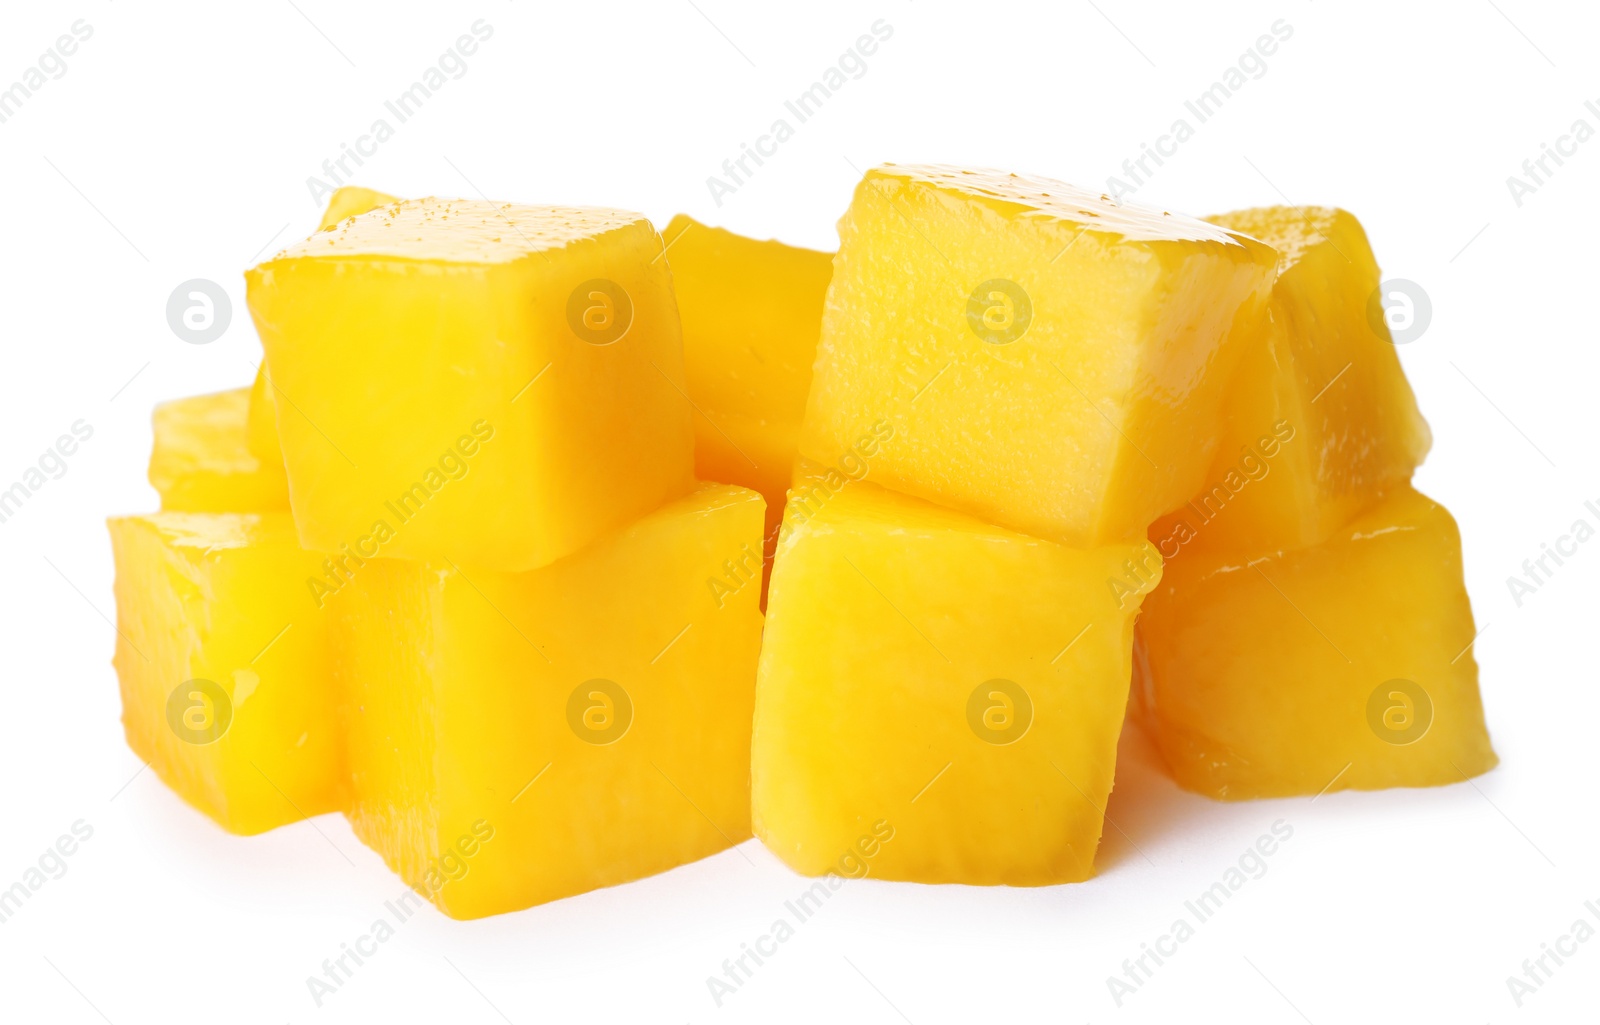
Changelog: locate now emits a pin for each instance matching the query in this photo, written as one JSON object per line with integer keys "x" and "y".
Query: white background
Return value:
{"x": 178, "y": 144}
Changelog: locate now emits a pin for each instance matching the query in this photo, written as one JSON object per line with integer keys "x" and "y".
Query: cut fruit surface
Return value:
{"x": 1293, "y": 672}
{"x": 202, "y": 460}
{"x": 496, "y": 385}
{"x": 1049, "y": 361}
{"x": 225, "y": 665}
{"x": 1320, "y": 421}
{"x": 952, "y": 683}
{"x": 261, "y": 422}
{"x": 751, "y": 314}
{"x": 591, "y": 718}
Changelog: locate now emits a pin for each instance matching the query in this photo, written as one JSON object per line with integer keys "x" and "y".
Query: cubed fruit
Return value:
{"x": 225, "y": 665}
{"x": 952, "y": 684}
{"x": 351, "y": 201}
{"x": 1320, "y": 422}
{"x": 261, "y": 421}
{"x": 1345, "y": 665}
{"x": 751, "y": 313}
{"x": 491, "y": 384}
{"x": 1050, "y": 361}
{"x": 202, "y": 459}
{"x": 544, "y": 733}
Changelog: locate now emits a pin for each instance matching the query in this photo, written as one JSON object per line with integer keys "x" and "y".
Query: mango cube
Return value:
{"x": 951, "y": 683}
{"x": 226, "y": 666}
{"x": 751, "y": 314}
{"x": 1049, "y": 361}
{"x": 1345, "y": 665}
{"x": 1321, "y": 422}
{"x": 202, "y": 460}
{"x": 549, "y": 732}
{"x": 488, "y": 384}
{"x": 261, "y": 421}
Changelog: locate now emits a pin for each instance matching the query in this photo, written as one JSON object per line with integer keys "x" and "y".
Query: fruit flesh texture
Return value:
{"x": 1257, "y": 673}
{"x": 751, "y": 314}
{"x": 1099, "y": 417}
{"x": 461, "y": 682}
{"x": 885, "y": 615}
{"x": 202, "y": 460}
{"x": 346, "y": 202}
{"x": 1321, "y": 422}
{"x": 404, "y": 333}
{"x": 222, "y": 597}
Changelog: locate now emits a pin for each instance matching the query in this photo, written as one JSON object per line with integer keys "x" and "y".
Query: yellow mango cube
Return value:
{"x": 225, "y": 665}
{"x": 202, "y": 459}
{"x": 489, "y": 384}
{"x": 519, "y": 737}
{"x": 939, "y": 700}
{"x": 1320, "y": 421}
{"x": 1345, "y": 665}
{"x": 751, "y": 314}
{"x": 1049, "y": 361}
{"x": 261, "y": 420}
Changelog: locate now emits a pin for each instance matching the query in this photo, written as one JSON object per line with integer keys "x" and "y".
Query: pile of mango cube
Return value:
{"x": 555, "y": 552}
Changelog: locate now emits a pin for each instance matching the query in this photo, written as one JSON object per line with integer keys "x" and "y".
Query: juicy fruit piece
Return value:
{"x": 1050, "y": 361}
{"x": 202, "y": 460}
{"x": 1293, "y": 672}
{"x": 224, "y": 665}
{"x": 751, "y": 314}
{"x": 954, "y": 684}
{"x": 351, "y": 201}
{"x": 1321, "y": 421}
{"x": 590, "y": 718}
{"x": 489, "y": 384}
{"x": 261, "y": 421}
